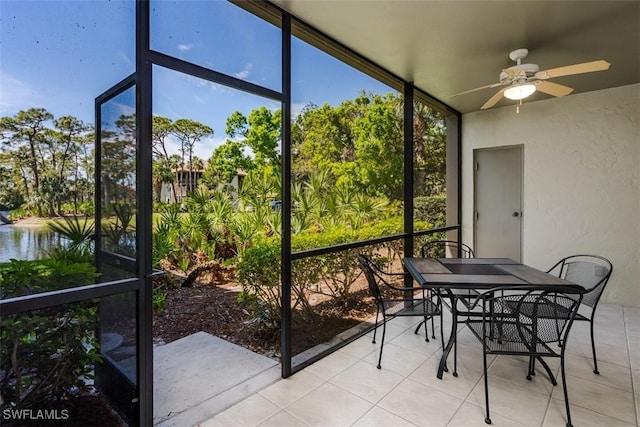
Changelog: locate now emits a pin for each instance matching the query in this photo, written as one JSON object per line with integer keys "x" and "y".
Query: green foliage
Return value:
{"x": 20, "y": 277}
{"x": 432, "y": 209}
{"x": 10, "y": 198}
{"x": 332, "y": 274}
{"x": 351, "y": 139}
{"x": 260, "y": 132}
{"x": 87, "y": 209}
{"x": 78, "y": 231}
{"x": 159, "y": 298}
{"x": 43, "y": 159}
{"x": 46, "y": 354}
{"x": 116, "y": 232}
{"x": 259, "y": 274}
{"x": 225, "y": 162}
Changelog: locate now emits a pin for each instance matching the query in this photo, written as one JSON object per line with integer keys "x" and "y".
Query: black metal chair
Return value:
{"x": 452, "y": 249}
{"x": 403, "y": 301}
{"x": 446, "y": 249}
{"x": 526, "y": 323}
{"x": 592, "y": 272}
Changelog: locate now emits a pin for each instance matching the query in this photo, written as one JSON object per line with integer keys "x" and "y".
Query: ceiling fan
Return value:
{"x": 522, "y": 80}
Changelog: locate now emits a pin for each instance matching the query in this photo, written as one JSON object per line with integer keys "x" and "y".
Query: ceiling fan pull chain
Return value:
{"x": 518, "y": 106}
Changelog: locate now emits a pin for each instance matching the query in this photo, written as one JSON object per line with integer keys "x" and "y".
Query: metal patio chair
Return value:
{"x": 592, "y": 272}
{"x": 452, "y": 249}
{"x": 526, "y": 323}
{"x": 404, "y": 301}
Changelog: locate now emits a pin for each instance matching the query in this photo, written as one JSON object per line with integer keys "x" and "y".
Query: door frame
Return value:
{"x": 132, "y": 400}
{"x": 520, "y": 147}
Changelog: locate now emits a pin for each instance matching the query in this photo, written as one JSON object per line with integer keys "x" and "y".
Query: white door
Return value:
{"x": 498, "y": 202}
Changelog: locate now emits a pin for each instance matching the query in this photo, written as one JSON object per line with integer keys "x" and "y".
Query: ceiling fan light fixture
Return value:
{"x": 518, "y": 92}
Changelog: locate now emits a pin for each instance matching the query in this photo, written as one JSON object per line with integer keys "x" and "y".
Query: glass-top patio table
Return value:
{"x": 447, "y": 274}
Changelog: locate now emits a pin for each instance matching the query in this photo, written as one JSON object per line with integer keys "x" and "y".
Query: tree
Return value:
{"x": 162, "y": 127}
{"x": 119, "y": 162}
{"x": 429, "y": 156}
{"x": 225, "y": 162}
{"x": 84, "y": 169}
{"x": 260, "y": 132}
{"x": 27, "y": 128}
{"x": 58, "y": 153}
{"x": 174, "y": 162}
{"x": 189, "y": 132}
{"x": 350, "y": 140}
{"x": 379, "y": 136}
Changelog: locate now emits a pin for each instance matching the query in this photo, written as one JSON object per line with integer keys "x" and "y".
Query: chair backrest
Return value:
{"x": 446, "y": 249}
{"x": 367, "y": 267}
{"x": 590, "y": 271}
{"x": 530, "y": 317}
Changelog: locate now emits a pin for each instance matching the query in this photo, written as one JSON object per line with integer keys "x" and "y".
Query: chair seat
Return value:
{"x": 548, "y": 310}
{"x": 506, "y": 339}
{"x": 411, "y": 307}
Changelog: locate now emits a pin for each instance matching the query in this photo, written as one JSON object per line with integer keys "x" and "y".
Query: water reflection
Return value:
{"x": 26, "y": 242}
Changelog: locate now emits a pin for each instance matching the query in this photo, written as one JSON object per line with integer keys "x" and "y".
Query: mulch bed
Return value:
{"x": 214, "y": 308}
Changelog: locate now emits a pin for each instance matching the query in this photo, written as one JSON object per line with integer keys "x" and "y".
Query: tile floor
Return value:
{"x": 346, "y": 389}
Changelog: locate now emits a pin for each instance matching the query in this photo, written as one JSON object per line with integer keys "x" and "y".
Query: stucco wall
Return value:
{"x": 581, "y": 178}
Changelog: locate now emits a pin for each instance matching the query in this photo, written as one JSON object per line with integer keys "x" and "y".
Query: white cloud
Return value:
{"x": 245, "y": 72}
{"x": 185, "y": 47}
{"x": 204, "y": 149}
{"x": 16, "y": 95}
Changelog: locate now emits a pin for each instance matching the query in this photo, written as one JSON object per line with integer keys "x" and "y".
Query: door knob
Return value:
{"x": 516, "y": 214}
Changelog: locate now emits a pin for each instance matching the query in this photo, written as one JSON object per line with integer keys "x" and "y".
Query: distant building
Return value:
{"x": 183, "y": 185}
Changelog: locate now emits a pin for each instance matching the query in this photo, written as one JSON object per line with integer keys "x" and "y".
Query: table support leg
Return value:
{"x": 451, "y": 342}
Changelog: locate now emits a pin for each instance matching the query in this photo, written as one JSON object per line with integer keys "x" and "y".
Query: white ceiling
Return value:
{"x": 446, "y": 47}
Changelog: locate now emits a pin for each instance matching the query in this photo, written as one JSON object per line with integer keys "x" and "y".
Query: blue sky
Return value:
{"x": 60, "y": 55}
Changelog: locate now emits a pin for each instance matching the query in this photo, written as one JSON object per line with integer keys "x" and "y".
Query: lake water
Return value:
{"x": 26, "y": 242}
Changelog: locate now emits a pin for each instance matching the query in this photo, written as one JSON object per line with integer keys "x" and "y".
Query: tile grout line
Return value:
{"x": 633, "y": 386}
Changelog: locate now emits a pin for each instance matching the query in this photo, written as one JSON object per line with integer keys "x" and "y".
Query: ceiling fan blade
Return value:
{"x": 479, "y": 88}
{"x": 553, "y": 88}
{"x": 494, "y": 99}
{"x": 568, "y": 70}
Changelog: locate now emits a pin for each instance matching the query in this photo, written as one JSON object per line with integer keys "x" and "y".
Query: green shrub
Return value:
{"x": 10, "y": 198}
{"x": 259, "y": 274}
{"x": 46, "y": 354}
{"x": 431, "y": 209}
{"x": 332, "y": 274}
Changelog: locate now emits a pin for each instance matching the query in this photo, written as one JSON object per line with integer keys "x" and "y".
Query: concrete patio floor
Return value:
{"x": 200, "y": 375}
{"x": 346, "y": 389}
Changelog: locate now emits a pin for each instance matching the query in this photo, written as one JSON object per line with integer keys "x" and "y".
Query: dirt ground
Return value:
{"x": 214, "y": 308}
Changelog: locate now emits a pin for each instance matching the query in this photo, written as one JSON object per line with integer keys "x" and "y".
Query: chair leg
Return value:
{"x": 531, "y": 367}
{"x": 593, "y": 347}
{"x": 547, "y": 369}
{"x": 375, "y": 330}
{"x": 564, "y": 389}
{"x": 384, "y": 329}
{"x": 487, "y": 418}
{"x": 426, "y": 329}
{"x": 455, "y": 337}
{"x": 433, "y": 328}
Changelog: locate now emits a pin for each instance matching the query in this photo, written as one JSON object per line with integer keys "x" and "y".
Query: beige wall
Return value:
{"x": 581, "y": 178}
